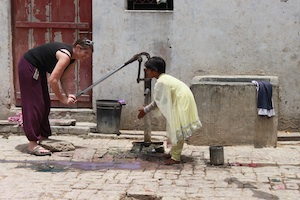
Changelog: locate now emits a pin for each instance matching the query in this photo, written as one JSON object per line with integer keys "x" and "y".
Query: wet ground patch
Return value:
{"x": 61, "y": 166}
{"x": 140, "y": 197}
{"x": 141, "y": 156}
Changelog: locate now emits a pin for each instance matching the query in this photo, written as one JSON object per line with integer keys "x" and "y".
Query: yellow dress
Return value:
{"x": 176, "y": 102}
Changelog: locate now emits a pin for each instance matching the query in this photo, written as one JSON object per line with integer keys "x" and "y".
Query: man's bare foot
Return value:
{"x": 32, "y": 145}
{"x": 42, "y": 139}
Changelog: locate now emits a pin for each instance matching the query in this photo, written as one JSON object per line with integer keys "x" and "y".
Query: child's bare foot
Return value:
{"x": 167, "y": 156}
{"x": 170, "y": 162}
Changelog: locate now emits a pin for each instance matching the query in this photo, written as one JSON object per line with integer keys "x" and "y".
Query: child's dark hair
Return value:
{"x": 157, "y": 64}
{"x": 85, "y": 43}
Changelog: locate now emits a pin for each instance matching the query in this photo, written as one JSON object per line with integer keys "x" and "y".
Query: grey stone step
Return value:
{"x": 89, "y": 129}
{"x": 288, "y": 136}
{"x": 61, "y": 126}
{"x": 82, "y": 129}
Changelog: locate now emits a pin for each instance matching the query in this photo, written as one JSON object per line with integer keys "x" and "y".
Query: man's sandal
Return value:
{"x": 40, "y": 151}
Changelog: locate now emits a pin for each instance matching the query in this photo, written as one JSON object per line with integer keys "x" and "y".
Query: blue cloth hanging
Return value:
{"x": 264, "y": 98}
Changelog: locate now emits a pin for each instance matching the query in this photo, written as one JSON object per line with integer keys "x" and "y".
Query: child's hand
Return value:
{"x": 141, "y": 113}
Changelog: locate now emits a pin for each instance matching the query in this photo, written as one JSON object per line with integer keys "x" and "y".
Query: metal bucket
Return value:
{"x": 108, "y": 116}
{"x": 216, "y": 155}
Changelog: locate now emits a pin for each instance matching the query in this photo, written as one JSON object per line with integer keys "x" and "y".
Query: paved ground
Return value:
{"x": 111, "y": 169}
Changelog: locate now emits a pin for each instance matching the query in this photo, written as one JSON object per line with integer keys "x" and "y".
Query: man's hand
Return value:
{"x": 71, "y": 99}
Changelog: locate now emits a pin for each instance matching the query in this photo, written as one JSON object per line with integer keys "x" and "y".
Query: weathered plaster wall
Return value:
{"x": 200, "y": 37}
{"x": 6, "y": 80}
{"x": 235, "y": 37}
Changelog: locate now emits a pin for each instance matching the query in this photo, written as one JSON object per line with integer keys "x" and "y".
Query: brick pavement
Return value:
{"x": 109, "y": 169}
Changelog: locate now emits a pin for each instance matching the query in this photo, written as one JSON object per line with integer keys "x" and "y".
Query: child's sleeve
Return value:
{"x": 150, "y": 107}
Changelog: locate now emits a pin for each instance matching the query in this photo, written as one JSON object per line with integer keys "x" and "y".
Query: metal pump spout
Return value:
{"x": 146, "y": 91}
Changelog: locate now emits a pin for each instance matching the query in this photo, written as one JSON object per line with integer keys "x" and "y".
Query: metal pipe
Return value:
{"x": 134, "y": 58}
{"x": 99, "y": 81}
{"x": 147, "y": 118}
{"x": 147, "y": 100}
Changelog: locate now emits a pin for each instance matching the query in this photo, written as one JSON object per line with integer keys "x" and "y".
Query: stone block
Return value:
{"x": 227, "y": 107}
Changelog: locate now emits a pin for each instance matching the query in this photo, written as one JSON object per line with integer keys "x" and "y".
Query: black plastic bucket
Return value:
{"x": 216, "y": 155}
{"x": 108, "y": 116}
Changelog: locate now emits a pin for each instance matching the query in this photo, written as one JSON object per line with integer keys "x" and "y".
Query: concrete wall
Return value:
{"x": 200, "y": 37}
{"x": 6, "y": 72}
